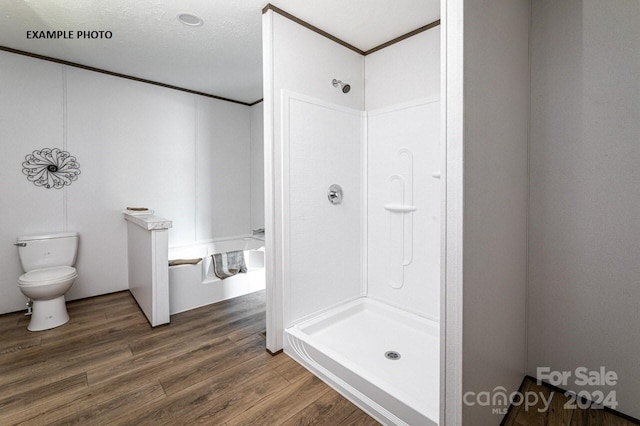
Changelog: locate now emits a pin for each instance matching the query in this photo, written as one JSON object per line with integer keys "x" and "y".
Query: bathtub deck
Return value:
{"x": 194, "y": 286}
{"x": 107, "y": 366}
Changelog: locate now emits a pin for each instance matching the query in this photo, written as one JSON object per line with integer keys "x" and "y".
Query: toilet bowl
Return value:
{"x": 47, "y": 260}
{"x": 46, "y": 288}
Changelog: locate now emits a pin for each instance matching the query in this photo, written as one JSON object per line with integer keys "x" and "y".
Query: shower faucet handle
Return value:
{"x": 20, "y": 244}
{"x": 335, "y": 194}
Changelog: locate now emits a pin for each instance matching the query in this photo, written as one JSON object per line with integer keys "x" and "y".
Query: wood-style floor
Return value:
{"x": 209, "y": 366}
{"x": 557, "y": 413}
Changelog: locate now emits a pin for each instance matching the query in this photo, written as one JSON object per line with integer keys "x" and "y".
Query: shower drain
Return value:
{"x": 392, "y": 355}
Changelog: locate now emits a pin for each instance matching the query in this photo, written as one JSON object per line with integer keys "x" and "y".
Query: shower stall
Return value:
{"x": 355, "y": 259}
{"x": 361, "y": 276}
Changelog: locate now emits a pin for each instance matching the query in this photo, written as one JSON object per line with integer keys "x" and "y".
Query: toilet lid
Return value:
{"x": 37, "y": 276}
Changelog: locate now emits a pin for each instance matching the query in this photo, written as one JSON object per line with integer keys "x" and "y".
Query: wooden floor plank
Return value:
{"x": 278, "y": 407}
{"x": 70, "y": 403}
{"x": 25, "y": 400}
{"x": 156, "y": 361}
{"x": 558, "y": 416}
{"x": 359, "y": 418}
{"x": 535, "y": 414}
{"x": 176, "y": 354}
{"x": 231, "y": 405}
{"x": 612, "y": 420}
{"x": 213, "y": 398}
{"x": 514, "y": 410}
{"x": 208, "y": 366}
{"x": 252, "y": 338}
{"x": 9, "y": 321}
{"x": 58, "y": 369}
{"x": 291, "y": 370}
{"x": 9, "y": 326}
{"x": 330, "y": 409}
{"x": 249, "y": 330}
{"x": 107, "y": 411}
{"x": 558, "y": 412}
{"x": 18, "y": 344}
{"x": 211, "y": 325}
{"x": 585, "y": 418}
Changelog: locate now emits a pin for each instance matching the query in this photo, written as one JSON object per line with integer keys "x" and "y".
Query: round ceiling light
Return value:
{"x": 190, "y": 19}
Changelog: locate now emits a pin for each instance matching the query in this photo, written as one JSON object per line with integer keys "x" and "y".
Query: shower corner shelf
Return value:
{"x": 400, "y": 208}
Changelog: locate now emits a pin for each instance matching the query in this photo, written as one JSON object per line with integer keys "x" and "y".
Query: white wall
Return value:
{"x": 223, "y": 178}
{"x": 404, "y": 71}
{"x": 257, "y": 166}
{"x": 402, "y": 98}
{"x": 496, "y": 111}
{"x": 186, "y": 156}
{"x": 31, "y": 114}
{"x": 584, "y": 228}
{"x": 301, "y": 61}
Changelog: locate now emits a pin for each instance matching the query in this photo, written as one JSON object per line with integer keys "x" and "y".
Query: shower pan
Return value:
{"x": 382, "y": 357}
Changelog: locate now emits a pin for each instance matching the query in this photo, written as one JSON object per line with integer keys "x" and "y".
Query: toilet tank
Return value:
{"x": 47, "y": 250}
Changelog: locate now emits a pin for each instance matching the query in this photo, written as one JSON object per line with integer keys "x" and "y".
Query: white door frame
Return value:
{"x": 451, "y": 325}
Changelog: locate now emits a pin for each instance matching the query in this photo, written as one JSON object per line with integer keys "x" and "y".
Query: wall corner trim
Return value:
{"x": 317, "y": 30}
{"x": 116, "y": 74}
{"x": 403, "y": 37}
{"x": 310, "y": 27}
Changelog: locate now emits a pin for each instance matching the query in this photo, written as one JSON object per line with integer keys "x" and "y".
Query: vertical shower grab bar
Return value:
{"x": 401, "y": 227}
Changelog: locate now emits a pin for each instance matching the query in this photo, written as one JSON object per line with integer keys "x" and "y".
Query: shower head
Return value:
{"x": 345, "y": 87}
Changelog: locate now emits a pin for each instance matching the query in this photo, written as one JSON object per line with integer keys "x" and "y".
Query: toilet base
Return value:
{"x": 48, "y": 314}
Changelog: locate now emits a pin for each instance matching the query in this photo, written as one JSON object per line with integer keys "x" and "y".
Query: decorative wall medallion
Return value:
{"x": 51, "y": 168}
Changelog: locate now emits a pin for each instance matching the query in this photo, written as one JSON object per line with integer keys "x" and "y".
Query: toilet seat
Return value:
{"x": 47, "y": 275}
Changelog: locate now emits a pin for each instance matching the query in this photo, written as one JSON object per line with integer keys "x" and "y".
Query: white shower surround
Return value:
{"x": 339, "y": 325}
{"x": 403, "y": 157}
{"x": 330, "y": 268}
{"x": 364, "y": 169}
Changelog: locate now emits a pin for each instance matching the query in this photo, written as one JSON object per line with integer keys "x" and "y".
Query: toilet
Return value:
{"x": 47, "y": 260}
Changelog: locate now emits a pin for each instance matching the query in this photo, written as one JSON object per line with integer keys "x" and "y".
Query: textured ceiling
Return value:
{"x": 223, "y": 57}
